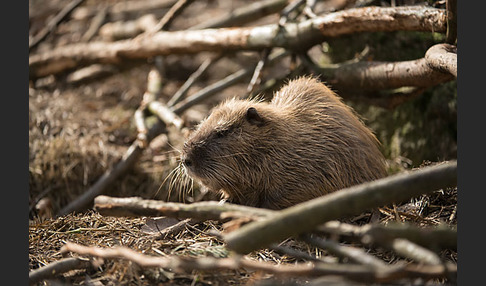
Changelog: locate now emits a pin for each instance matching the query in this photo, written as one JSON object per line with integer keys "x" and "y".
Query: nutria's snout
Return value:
{"x": 186, "y": 161}
{"x": 192, "y": 156}
{"x": 187, "y": 156}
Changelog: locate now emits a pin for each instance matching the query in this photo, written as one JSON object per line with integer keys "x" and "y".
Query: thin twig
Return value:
{"x": 294, "y": 253}
{"x": 182, "y": 91}
{"x": 95, "y": 25}
{"x": 120, "y": 9}
{"x": 90, "y": 72}
{"x": 309, "y": 8}
{"x": 173, "y": 12}
{"x": 238, "y": 17}
{"x": 154, "y": 85}
{"x": 284, "y": 15}
{"x": 220, "y": 85}
{"x": 53, "y": 23}
{"x": 127, "y": 29}
{"x": 142, "y": 130}
{"x": 256, "y": 78}
{"x": 165, "y": 114}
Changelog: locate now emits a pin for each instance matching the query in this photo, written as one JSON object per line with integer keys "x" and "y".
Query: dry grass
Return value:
{"x": 46, "y": 237}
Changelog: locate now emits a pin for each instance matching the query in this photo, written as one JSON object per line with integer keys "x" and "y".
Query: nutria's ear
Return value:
{"x": 253, "y": 117}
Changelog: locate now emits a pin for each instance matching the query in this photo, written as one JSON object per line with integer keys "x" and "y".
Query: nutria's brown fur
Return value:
{"x": 303, "y": 144}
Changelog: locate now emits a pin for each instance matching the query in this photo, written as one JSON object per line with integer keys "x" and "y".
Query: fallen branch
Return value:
{"x": 294, "y": 36}
{"x": 375, "y": 75}
{"x": 142, "y": 130}
{"x": 361, "y": 273}
{"x": 90, "y": 72}
{"x": 165, "y": 114}
{"x": 354, "y": 254}
{"x": 210, "y": 210}
{"x": 443, "y": 58}
{"x": 408, "y": 249}
{"x": 306, "y": 216}
{"x": 58, "y": 267}
{"x": 437, "y": 237}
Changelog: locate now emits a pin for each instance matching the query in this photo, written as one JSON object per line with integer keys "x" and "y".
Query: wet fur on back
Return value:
{"x": 303, "y": 144}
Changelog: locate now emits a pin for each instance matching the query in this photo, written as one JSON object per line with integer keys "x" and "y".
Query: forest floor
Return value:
{"x": 79, "y": 129}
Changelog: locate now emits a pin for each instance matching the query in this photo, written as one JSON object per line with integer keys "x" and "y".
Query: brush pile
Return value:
{"x": 116, "y": 85}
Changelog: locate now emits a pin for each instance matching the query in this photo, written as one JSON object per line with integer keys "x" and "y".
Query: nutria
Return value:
{"x": 303, "y": 144}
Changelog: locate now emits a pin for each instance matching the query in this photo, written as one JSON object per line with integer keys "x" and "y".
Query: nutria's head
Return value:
{"x": 225, "y": 150}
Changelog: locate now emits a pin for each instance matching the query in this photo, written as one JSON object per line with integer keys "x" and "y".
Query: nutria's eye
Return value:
{"x": 222, "y": 133}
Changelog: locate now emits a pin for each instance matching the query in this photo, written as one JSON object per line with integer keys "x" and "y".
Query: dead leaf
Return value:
{"x": 158, "y": 224}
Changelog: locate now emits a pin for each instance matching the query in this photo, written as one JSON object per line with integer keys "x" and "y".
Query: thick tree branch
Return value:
{"x": 294, "y": 36}
{"x": 443, "y": 58}
{"x": 306, "y": 216}
{"x": 375, "y": 75}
